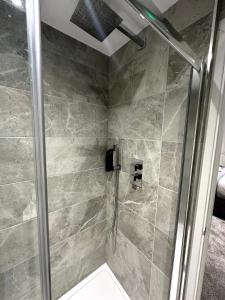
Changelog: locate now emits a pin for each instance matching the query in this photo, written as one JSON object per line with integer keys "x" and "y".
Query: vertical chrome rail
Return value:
{"x": 195, "y": 129}
{"x": 186, "y": 187}
{"x": 34, "y": 45}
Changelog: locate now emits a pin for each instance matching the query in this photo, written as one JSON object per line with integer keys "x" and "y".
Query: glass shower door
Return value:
{"x": 134, "y": 98}
{"x": 19, "y": 255}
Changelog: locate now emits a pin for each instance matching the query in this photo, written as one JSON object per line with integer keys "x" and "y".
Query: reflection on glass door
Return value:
{"x": 19, "y": 265}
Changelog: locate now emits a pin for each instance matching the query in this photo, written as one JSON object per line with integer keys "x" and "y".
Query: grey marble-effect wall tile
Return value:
{"x": 166, "y": 211}
{"x": 16, "y": 160}
{"x": 124, "y": 73}
{"x": 197, "y": 37}
{"x": 70, "y": 189}
{"x": 163, "y": 252}
{"x": 175, "y": 111}
{"x": 178, "y": 72}
{"x": 142, "y": 119}
{"x": 122, "y": 57}
{"x": 121, "y": 91}
{"x": 21, "y": 282}
{"x": 14, "y": 69}
{"x": 143, "y": 76}
{"x": 17, "y": 203}
{"x": 13, "y": 48}
{"x": 194, "y": 10}
{"x": 159, "y": 286}
{"x": 78, "y": 119}
{"x": 170, "y": 166}
{"x": 150, "y": 152}
{"x": 151, "y": 67}
{"x": 15, "y": 115}
{"x": 74, "y": 219}
{"x": 130, "y": 266}
{"x": 56, "y": 41}
{"x": 81, "y": 245}
{"x": 65, "y": 78}
{"x": 137, "y": 230}
{"x": 67, "y": 278}
{"x": 110, "y": 193}
{"x": 128, "y": 152}
{"x": 67, "y": 155}
{"x": 110, "y": 190}
{"x": 17, "y": 244}
{"x": 142, "y": 201}
{"x": 17, "y": 17}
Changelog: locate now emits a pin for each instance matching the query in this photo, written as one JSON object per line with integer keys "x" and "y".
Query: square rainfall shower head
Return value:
{"x": 96, "y": 18}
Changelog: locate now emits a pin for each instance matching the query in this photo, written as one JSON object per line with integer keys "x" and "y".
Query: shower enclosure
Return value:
{"x": 64, "y": 103}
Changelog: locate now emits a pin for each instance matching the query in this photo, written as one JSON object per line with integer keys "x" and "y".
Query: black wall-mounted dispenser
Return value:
{"x": 109, "y": 160}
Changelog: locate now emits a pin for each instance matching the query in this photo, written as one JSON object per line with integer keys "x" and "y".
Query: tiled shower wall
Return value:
{"x": 147, "y": 110}
{"x": 19, "y": 273}
{"x": 76, "y": 94}
{"x": 143, "y": 94}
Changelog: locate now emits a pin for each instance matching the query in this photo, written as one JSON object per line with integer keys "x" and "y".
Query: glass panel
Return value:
{"x": 75, "y": 94}
{"x": 19, "y": 265}
{"x": 136, "y": 99}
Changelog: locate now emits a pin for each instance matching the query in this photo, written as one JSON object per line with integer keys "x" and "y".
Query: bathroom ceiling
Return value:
{"x": 57, "y": 13}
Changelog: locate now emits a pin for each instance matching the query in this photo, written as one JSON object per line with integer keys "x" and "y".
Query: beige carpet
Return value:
{"x": 214, "y": 277}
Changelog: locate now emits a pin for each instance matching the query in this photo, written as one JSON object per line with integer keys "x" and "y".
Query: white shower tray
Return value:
{"x": 100, "y": 285}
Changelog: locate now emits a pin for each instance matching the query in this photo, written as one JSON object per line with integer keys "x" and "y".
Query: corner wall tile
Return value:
{"x": 58, "y": 42}
{"x": 65, "y": 78}
{"x": 64, "y": 254}
{"x": 71, "y": 220}
{"x": 67, "y": 278}
{"x": 130, "y": 266}
{"x": 140, "y": 120}
{"x": 137, "y": 230}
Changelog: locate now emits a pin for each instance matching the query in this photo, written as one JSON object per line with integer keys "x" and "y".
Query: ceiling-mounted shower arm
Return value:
{"x": 167, "y": 33}
{"x": 135, "y": 38}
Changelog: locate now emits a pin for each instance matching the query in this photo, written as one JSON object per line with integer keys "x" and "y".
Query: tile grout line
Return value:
{"x": 53, "y": 176}
{"x": 73, "y": 235}
{"x": 138, "y": 250}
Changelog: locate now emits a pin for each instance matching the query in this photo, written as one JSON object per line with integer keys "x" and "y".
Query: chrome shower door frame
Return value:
{"x": 188, "y": 183}
{"x": 195, "y": 133}
{"x": 35, "y": 64}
